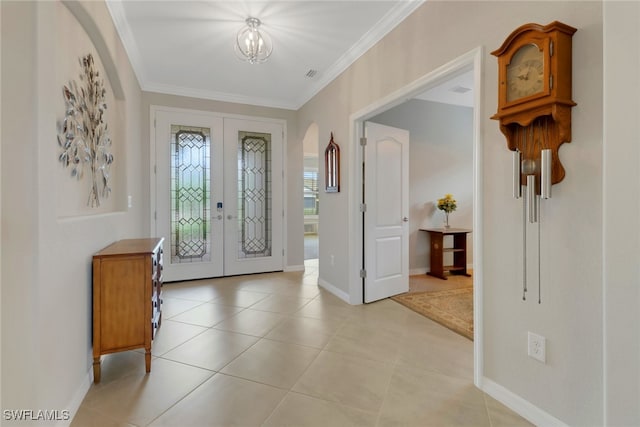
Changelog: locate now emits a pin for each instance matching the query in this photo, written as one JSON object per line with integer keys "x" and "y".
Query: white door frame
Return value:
{"x": 153, "y": 198}
{"x": 471, "y": 60}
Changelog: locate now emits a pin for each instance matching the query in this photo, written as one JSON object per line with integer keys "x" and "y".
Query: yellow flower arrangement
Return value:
{"x": 447, "y": 203}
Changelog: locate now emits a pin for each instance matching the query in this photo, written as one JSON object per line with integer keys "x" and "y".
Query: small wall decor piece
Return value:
{"x": 332, "y": 167}
{"x": 83, "y": 135}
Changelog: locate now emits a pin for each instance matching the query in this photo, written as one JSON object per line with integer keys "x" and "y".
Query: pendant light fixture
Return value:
{"x": 252, "y": 44}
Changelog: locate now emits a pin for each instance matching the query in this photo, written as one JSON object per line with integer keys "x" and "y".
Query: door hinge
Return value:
{"x": 551, "y": 48}
{"x": 155, "y": 215}
{"x": 154, "y": 122}
{"x": 363, "y": 141}
{"x": 283, "y": 252}
{"x": 551, "y": 81}
{"x": 363, "y": 274}
{"x": 155, "y": 169}
{"x": 363, "y": 207}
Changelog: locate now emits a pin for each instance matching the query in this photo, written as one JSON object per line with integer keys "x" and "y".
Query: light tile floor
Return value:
{"x": 277, "y": 350}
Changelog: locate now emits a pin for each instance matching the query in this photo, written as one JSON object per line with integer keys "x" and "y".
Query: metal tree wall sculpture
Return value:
{"x": 83, "y": 134}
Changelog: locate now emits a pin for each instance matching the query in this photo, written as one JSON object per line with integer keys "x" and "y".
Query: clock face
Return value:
{"x": 525, "y": 73}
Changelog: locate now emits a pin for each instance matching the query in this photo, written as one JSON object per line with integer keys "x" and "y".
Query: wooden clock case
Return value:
{"x": 541, "y": 120}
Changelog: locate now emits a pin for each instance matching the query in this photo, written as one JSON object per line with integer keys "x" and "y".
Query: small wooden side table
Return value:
{"x": 459, "y": 250}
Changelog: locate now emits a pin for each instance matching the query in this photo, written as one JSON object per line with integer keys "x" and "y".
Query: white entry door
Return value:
{"x": 218, "y": 194}
{"x": 386, "y": 218}
{"x": 253, "y": 197}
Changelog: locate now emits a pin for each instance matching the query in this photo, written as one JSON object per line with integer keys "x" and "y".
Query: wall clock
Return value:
{"x": 534, "y": 111}
{"x": 534, "y": 99}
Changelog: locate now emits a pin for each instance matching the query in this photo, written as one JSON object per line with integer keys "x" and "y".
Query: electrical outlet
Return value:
{"x": 537, "y": 347}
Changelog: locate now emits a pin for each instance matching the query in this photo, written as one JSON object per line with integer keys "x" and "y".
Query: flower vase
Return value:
{"x": 446, "y": 220}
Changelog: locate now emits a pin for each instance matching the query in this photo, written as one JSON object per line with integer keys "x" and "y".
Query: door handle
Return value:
{"x": 217, "y": 217}
{"x": 405, "y": 219}
{"x": 230, "y": 216}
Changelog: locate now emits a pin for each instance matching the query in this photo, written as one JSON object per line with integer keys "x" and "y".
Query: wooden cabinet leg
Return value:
{"x": 96, "y": 369}
{"x": 436, "y": 267}
{"x": 147, "y": 359}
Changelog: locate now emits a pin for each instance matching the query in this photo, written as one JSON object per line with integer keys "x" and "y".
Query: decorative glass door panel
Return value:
{"x": 254, "y": 194}
{"x": 190, "y": 201}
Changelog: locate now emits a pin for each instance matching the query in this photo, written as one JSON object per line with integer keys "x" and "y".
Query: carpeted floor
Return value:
{"x": 452, "y": 308}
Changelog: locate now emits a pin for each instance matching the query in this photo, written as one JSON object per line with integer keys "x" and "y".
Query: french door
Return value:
{"x": 218, "y": 193}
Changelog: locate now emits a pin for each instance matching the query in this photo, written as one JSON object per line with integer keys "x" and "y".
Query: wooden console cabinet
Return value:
{"x": 127, "y": 298}
{"x": 459, "y": 250}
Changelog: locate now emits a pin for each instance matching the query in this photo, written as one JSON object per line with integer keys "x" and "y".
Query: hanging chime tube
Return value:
{"x": 524, "y": 249}
{"x": 531, "y": 198}
{"x": 517, "y": 188}
{"x": 545, "y": 175}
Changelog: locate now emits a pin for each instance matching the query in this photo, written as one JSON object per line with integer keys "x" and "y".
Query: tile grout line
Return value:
{"x": 183, "y": 397}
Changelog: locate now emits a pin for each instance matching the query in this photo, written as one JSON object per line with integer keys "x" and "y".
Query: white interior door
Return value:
{"x": 219, "y": 201}
{"x": 386, "y": 218}
{"x": 253, "y": 194}
{"x": 189, "y": 177}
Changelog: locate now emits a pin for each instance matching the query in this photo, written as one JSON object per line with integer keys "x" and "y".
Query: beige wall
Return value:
{"x": 19, "y": 267}
{"x": 46, "y": 274}
{"x": 570, "y": 386}
{"x": 621, "y": 231}
{"x": 294, "y": 256}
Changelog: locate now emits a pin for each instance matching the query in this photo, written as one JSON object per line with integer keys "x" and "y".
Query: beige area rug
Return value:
{"x": 451, "y": 308}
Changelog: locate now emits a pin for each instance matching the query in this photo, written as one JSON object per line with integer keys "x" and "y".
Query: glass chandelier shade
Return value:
{"x": 253, "y": 45}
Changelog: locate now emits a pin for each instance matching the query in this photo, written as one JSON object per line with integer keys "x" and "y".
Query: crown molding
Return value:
{"x": 128, "y": 41}
{"x": 218, "y": 96}
{"x": 391, "y": 20}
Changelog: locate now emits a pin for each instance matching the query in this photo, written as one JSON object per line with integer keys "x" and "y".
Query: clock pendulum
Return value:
{"x": 534, "y": 111}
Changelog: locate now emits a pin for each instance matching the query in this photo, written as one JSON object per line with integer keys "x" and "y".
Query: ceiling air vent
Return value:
{"x": 459, "y": 89}
{"x": 311, "y": 73}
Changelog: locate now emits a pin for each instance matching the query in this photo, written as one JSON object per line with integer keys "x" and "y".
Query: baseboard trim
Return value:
{"x": 289, "y": 268}
{"x": 77, "y": 399}
{"x": 523, "y": 407}
{"x": 334, "y": 290}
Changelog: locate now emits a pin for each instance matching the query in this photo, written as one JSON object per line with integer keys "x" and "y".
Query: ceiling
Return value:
{"x": 187, "y": 47}
{"x": 457, "y": 90}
